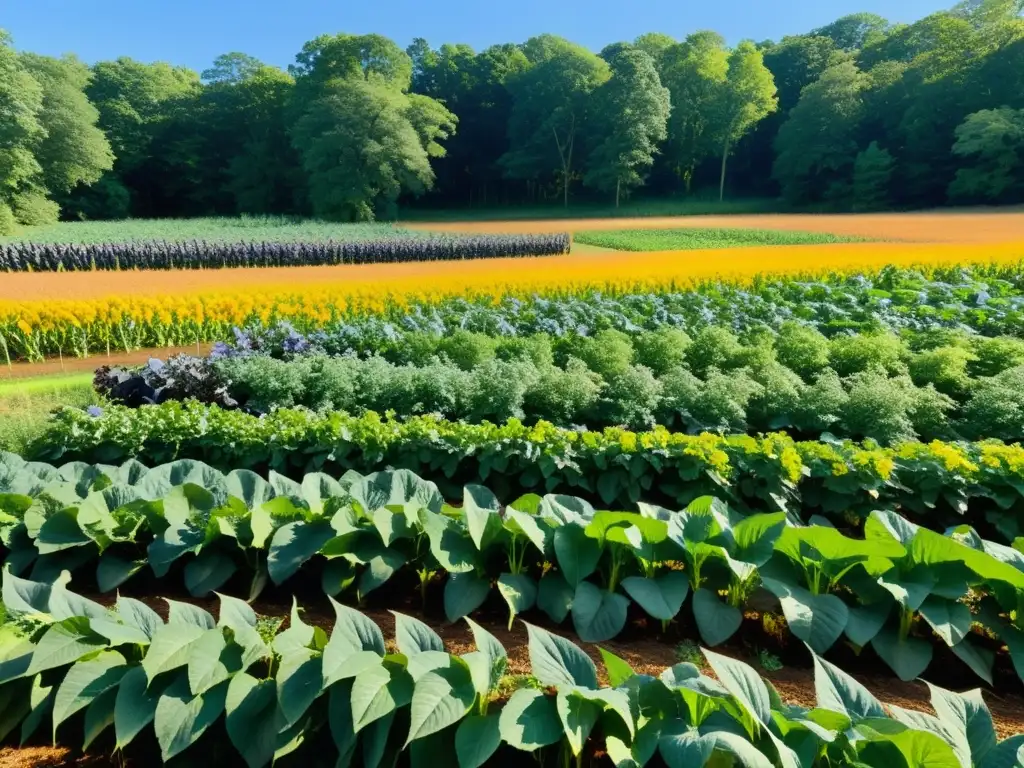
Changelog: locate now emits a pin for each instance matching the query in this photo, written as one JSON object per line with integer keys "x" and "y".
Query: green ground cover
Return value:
{"x": 694, "y": 238}
{"x": 26, "y": 405}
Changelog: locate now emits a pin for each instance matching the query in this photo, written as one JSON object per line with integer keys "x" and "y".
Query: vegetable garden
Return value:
{"x": 821, "y": 467}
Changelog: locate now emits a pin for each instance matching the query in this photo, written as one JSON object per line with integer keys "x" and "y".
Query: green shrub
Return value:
{"x": 996, "y": 355}
{"x": 466, "y": 349}
{"x": 996, "y": 407}
{"x": 265, "y": 383}
{"x": 757, "y": 353}
{"x": 34, "y": 209}
{"x": 945, "y": 368}
{"x": 536, "y": 348}
{"x": 497, "y": 390}
{"x": 802, "y": 349}
{"x": 776, "y": 405}
{"x": 929, "y": 413}
{"x": 8, "y": 224}
{"x": 855, "y": 354}
{"x": 417, "y": 348}
{"x": 719, "y": 403}
{"x": 713, "y": 347}
{"x": 332, "y": 384}
{"x": 821, "y": 404}
{"x": 630, "y": 399}
{"x": 878, "y": 407}
{"x": 661, "y": 350}
{"x": 563, "y": 395}
{"x": 607, "y": 353}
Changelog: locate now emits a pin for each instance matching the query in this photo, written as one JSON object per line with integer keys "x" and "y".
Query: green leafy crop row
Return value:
{"x": 893, "y": 590}
{"x": 127, "y": 675}
{"x": 937, "y": 484}
{"x": 866, "y": 386}
{"x": 687, "y": 238}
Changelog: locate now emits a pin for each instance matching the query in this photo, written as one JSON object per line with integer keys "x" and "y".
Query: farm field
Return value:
{"x": 690, "y": 469}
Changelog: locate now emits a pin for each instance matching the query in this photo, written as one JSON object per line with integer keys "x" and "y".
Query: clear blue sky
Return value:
{"x": 193, "y": 32}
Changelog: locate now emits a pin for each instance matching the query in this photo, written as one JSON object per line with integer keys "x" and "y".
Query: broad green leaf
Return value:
{"x": 353, "y": 632}
{"x": 379, "y": 570}
{"x": 744, "y": 683}
{"x": 440, "y": 699}
{"x": 716, "y": 621}
{"x": 979, "y": 659}
{"x": 21, "y": 596}
{"x": 170, "y": 648}
{"x": 839, "y": 692}
{"x": 85, "y": 682}
{"x": 463, "y": 594}
{"x": 576, "y": 552}
{"x": 529, "y": 721}
{"x": 413, "y": 636}
{"x": 134, "y": 707}
{"x": 248, "y": 487}
{"x": 597, "y": 614}
{"x": 113, "y": 571}
{"x": 300, "y": 681}
{"x": 252, "y": 718}
{"x": 378, "y": 692}
{"x": 477, "y": 739}
{"x": 481, "y": 509}
{"x": 578, "y": 716}
{"x": 519, "y": 592}
{"x": 618, "y": 669}
{"x": 818, "y": 620}
{"x": 293, "y": 544}
{"x": 450, "y": 544}
{"x": 429, "y": 661}
{"x": 212, "y": 660}
{"x": 556, "y": 661}
{"x": 951, "y": 621}
{"x": 918, "y": 748}
{"x": 339, "y": 717}
{"x": 554, "y": 596}
{"x": 186, "y": 613}
{"x": 208, "y": 572}
{"x": 61, "y": 531}
{"x": 139, "y": 615}
{"x": 538, "y": 531}
{"x": 63, "y": 643}
{"x": 35, "y": 710}
{"x": 907, "y": 658}
{"x": 864, "y": 622}
{"x": 494, "y": 654}
{"x": 99, "y": 716}
{"x": 182, "y": 718}
{"x": 661, "y": 597}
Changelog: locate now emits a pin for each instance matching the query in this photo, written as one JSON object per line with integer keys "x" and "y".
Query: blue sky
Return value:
{"x": 193, "y": 32}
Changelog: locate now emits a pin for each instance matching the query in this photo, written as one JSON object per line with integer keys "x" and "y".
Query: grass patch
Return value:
{"x": 26, "y": 405}
{"x": 212, "y": 229}
{"x": 695, "y": 238}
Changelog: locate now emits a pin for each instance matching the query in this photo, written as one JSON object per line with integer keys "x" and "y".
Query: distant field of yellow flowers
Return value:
{"x": 79, "y": 314}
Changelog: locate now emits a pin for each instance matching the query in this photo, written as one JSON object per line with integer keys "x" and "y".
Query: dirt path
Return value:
{"x": 54, "y": 366}
{"x": 929, "y": 227}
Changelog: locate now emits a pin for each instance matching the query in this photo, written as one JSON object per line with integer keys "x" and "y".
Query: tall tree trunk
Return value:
{"x": 618, "y": 186}
{"x": 721, "y": 183}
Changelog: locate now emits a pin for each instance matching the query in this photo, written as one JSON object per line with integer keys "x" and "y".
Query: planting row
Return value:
{"x": 937, "y": 484}
{"x": 199, "y": 254}
{"x": 893, "y": 590}
{"x": 128, "y": 679}
{"x": 366, "y": 315}
{"x": 711, "y": 383}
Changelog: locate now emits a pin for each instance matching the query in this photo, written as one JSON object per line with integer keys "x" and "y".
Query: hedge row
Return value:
{"x": 200, "y": 254}
{"x": 938, "y": 484}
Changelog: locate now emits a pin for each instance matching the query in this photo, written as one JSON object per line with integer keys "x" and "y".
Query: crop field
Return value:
{"x": 620, "y": 506}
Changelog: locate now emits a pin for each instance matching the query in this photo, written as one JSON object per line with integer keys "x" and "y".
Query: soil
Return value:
{"x": 54, "y": 366}
{"x": 969, "y": 226}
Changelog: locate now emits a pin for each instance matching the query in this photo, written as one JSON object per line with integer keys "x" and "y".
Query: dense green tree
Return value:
{"x": 748, "y": 96}
{"x": 853, "y": 32}
{"x": 655, "y": 45}
{"x": 550, "y": 110}
{"x": 817, "y": 144}
{"x": 993, "y": 141}
{"x": 872, "y": 175}
{"x": 21, "y": 100}
{"x": 630, "y": 115}
{"x": 360, "y": 150}
{"x": 74, "y": 150}
{"x": 373, "y": 58}
{"x": 694, "y": 72}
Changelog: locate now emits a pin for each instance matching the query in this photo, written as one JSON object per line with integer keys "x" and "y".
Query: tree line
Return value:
{"x": 861, "y": 114}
